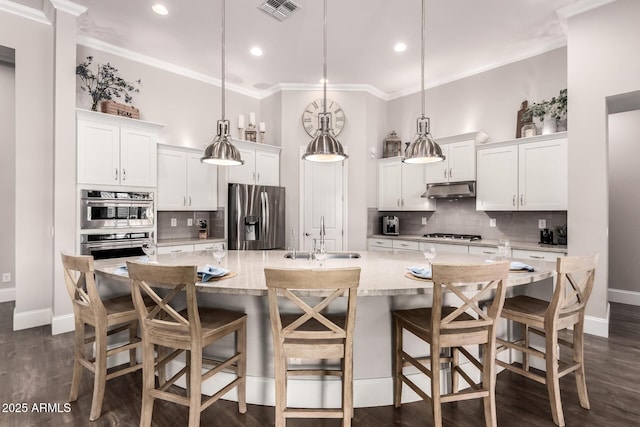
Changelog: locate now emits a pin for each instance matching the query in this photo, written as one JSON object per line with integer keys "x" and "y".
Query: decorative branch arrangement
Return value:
{"x": 105, "y": 84}
{"x": 556, "y": 108}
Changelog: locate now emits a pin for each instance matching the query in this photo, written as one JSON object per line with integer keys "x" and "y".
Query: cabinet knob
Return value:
{"x": 514, "y": 200}
{"x": 184, "y": 200}
{"x": 116, "y": 178}
{"x": 398, "y": 202}
{"x": 124, "y": 174}
{"x": 189, "y": 200}
{"x": 522, "y": 200}
{"x": 445, "y": 172}
{"x": 450, "y": 173}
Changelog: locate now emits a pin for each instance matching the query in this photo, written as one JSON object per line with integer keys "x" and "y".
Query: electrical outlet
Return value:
{"x": 295, "y": 361}
{"x": 174, "y": 222}
{"x": 189, "y": 222}
{"x": 6, "y": 277}
{"x": 542, "y": 223}
{"x": 492, "y": 222}
{"x": 424, "y": 220}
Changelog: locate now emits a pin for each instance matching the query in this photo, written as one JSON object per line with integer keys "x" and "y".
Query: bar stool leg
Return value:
{"x": 241, "y": 340}
{"x": 79, "y": 354}
{"x": 552, "y": 378}
{"x": 578, "y": 356}
{"x": 100, "y": 374}
{"x": 397, "y": 364}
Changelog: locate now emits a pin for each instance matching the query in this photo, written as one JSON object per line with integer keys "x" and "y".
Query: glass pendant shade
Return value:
{"x": 324, "y": 147}
{"x": 221, "y": 151}
{"x": 423, "y": 149}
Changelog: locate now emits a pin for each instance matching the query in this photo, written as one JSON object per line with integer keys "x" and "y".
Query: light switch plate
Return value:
{"x": 542, "y": 223}
{"x": 174, "y": 222}
{"x": 492, "y": 222}
{"x": 6, "y": 277}
{"x": 424, "y": 220}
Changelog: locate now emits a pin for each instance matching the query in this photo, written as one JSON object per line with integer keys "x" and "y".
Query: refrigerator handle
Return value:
{"x": 267, "y": 215}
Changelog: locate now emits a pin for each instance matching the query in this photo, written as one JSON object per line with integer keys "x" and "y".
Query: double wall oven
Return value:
{"x": 115, "y": 223}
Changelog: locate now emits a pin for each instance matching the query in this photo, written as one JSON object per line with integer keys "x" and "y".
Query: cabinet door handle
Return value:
{"x": 489, "y": 252}
{"x": 189, "y": 200}
{"x": 402, "y": 203}
{"x": 258, "y": 180}
{"x": 445, "y": 173}
{"x": 175, "y": 251}
{"x": 403, "y": 244}
{"x": 184, "y": 200}
{"x": 536, "y": 257}
{"x": 522, "y": 200}
{"x": 398, "y": 202}
{"x": 124, "y": 174}
{"x": 514, "y": 200}
{"x": 116, "y": 178}
{"x": 254, "y": 175}
{"x": 450, "y": 173}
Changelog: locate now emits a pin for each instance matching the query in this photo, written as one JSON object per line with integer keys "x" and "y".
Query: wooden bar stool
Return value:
{"x": 312, "y": 334}
{"x": 190, "y": 331}
{"x": 451, "y": 327}
{"x": 107, "y": 317}
{"x": 574, "y": 283}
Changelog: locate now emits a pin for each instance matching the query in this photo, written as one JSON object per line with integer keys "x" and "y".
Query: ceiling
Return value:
{"x": 463, "y": 37}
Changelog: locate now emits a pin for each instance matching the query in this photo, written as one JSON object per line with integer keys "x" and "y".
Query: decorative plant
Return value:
{"x": 556, "y": 108}
{"x": 561, "y": 230}
{"x": 105, "y": 84}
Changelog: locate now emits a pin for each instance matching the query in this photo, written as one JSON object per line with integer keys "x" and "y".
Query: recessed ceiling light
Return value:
{"x": 160, "y": 9}
{"x": 256, "y": 51}
{"x": 400, "y": 47}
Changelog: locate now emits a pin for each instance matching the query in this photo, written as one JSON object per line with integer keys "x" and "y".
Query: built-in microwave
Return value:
{"x": 116, "y": 209}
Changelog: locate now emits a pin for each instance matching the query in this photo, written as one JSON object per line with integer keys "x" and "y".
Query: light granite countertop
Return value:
{"x": 187, "y": 241}
{"x": 482, "y": 242}
{"x": 383, "y": 273}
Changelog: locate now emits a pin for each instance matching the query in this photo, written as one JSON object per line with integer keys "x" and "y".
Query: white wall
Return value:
{"x": 7, "y": 178}
{"x": 33, "y": 43}
{"x": 624, "y": 200}
{"x": 488, "y": 101}
{"x": 602, "y": 62}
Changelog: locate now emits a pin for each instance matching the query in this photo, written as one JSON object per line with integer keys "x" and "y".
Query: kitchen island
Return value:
{"x": 383, "y": 287}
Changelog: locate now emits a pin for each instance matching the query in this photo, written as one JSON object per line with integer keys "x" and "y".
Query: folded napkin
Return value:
{"x": 516, "y": 266}
{"x": 421, "y": 272}
{"x": 121, "y": 271}
{"x": 208, "y": 272}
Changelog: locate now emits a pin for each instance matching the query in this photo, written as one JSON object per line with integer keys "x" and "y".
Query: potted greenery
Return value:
{"x": 105, "y": 84}
{"x": 561, "y": 233}
{"x": 554, "y": 111}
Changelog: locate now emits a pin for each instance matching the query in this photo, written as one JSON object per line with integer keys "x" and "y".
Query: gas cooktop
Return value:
{"x": 451, "y": 236}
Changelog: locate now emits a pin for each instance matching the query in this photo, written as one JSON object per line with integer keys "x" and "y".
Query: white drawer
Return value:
{"x": 380, "y": 243}
{"x": 207, "y": 246}
{"x": 446, "y": 248}
{"x": 485, "y": 250}
{"x": 175, "y": 249}
{"x": 541, "y": 255}
{"x": 406, "y": 245}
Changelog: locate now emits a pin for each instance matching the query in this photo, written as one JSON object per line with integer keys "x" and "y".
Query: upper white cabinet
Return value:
{"x": 525, "y": 174}
{"x": 184, "y": 183}
{"x": 261, "y": 164}
{"x": 400, "y": 186}
{"x": 459, "y": 163}
{"x": 115, "y": 150}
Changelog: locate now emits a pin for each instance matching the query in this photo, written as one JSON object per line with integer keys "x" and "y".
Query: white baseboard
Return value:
{"x": 624, "y": 297}
{"x": 597, "y": 325}
{"x": 7, "y": 294}
{"x": 62, "y": 324}
{"x": 31, "y": 319}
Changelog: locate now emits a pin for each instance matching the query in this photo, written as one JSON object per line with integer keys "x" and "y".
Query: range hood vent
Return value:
{"x": 279, "y": 9}
{"x": 453, "y": 190}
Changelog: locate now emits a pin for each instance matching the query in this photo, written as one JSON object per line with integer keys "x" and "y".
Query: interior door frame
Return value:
{"x": 345, "y": 201}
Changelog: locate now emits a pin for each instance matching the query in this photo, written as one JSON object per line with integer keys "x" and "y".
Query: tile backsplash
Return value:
{"x": 460, "y": 216}
{"x": 215, "y": 224}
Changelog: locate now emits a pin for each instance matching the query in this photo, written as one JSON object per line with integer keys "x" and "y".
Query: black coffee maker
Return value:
{"x": 546, "y": 236}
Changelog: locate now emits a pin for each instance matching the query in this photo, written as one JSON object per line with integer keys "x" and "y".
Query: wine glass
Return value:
{"x": 429, "y": 254}
{"x": 321, "y": 255}
{"x": 504, "y": 246}
{"x": 219, "y": 253}
{"x": 149, "y": 248}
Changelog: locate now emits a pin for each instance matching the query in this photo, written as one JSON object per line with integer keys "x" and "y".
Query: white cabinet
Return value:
{"x": 486, "y": 250}
{"x": 400, "y": 186}
{"x": 523, "y": 175}
{"x": 208, "y": 246}
{"x": 261, "y": 164}
{"x": 184, "y": 183}
{"x": 446, "y": 248}
{"x": 459, "y": 163}
{"x": 379, "y": 244}
{"x": 175, "y": 249}
{"x": 405, "y": 245}
{"x": 537, "y": 255}
{"x": 115, "y": 151}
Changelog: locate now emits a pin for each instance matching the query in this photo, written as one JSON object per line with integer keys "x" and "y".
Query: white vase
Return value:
{"x": 549, "y": 125}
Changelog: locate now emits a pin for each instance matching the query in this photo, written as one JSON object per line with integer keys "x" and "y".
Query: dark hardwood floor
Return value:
{"x": 35, "y": 367}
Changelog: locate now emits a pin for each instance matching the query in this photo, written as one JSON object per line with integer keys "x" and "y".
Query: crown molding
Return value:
{"x": 581, "y": 7}
{"x": 291, "y": 87}
{"x": 68, "y": 7}
{"x": 538, "y": 50}
{"x": 24, "y": 11}
{"x": 163, "y": 65}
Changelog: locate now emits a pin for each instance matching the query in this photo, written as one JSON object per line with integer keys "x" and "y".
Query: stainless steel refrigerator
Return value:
{"x": 256, "y": 217}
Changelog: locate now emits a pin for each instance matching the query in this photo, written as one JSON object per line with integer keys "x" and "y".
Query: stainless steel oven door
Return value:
{"x": 116, "y": 214}
{"x": 112, "y": 249}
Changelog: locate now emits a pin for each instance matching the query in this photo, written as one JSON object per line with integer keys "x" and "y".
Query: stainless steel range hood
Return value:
{"x": 450, "y": 190}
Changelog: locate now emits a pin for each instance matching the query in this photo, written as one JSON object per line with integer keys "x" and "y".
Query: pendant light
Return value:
{"x": 324, "y": 147}
{"x": 423, "y": 149}
{"x": 221, "y": 150}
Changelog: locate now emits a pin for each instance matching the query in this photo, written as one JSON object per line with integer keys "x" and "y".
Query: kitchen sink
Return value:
{"x": 330, "y": 255}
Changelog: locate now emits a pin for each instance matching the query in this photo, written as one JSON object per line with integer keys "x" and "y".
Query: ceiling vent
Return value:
{"x": 279, "y": 9}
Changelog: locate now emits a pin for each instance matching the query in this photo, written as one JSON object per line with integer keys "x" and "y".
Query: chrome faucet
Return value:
{"x": 322, "y": 231}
